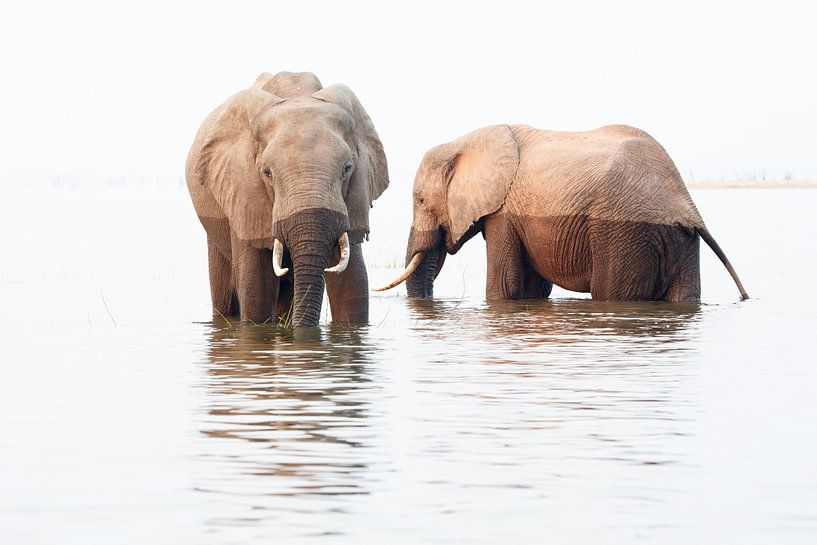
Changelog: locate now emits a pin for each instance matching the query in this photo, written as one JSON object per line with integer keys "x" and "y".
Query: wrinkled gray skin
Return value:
{"x": 602, "y": 211}
{"x": 286, "y": 159}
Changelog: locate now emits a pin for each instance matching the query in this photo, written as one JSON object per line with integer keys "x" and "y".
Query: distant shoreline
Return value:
{"x": 756, "y": 184}
{"x": 71, "y": 183}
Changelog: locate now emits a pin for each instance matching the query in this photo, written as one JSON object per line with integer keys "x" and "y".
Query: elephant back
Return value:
{"x": 616, "y": 173}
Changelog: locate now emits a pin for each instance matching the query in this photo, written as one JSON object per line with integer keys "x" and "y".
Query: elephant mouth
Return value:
{"x": 343, "y": 261}
{"x": 305, "y": 242}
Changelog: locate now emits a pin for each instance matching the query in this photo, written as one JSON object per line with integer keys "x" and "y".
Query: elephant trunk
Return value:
{"x": 421, "y": 282}
{"x": 424, "y": 258}
{"x": 310, "y": 237}
{"x": 308, "y": 296}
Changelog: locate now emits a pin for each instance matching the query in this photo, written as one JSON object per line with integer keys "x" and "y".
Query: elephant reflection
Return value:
{"x": 577, "y": 318}
{"x": 294, "y": 407}
{"x": 564, "y": 321}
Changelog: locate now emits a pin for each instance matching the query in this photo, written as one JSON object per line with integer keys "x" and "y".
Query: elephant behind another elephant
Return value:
{"x": 602, "y": 211}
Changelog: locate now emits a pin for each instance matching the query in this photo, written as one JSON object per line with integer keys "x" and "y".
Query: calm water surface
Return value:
{"x": 129, "y": 415}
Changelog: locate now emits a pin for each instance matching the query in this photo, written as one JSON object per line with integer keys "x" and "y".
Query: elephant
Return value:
{"x": 603, "y": 211}
{"x": 282, "y": 176}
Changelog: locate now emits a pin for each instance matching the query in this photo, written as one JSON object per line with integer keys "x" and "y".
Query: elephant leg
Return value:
{"x": 510, "y": 275}
{"x": 349, "y": 291}
{"x": 634, "y": 261}
{"x": 283, "y": 305}
{"x": 255, "y": 282}
{"x": 686, "y": 285}
{"x": 533, "y": 285}
{"x": 222, "y": 290}
{"x": 625, "y": 261}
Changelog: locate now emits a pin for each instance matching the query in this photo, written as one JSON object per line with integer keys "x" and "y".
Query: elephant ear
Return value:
{"x": 480, "y": 168}
{"x": 371, "y": 175}
{"x": 223, "y": 159}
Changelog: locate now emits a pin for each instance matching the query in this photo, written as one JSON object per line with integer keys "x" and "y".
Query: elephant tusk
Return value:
{"x": 343, "y": 242}
{"x": 410, "y": 268}
{"x": 277, "y": 259}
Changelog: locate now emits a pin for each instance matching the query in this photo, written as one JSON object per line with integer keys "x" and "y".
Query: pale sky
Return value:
{"x": 118, "y": 90}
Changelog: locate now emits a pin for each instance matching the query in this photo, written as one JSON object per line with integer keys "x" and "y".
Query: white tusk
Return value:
{"x": 410, "y": 268}
{"x": 343, "y": 242}
{"x": 277, "y": 258}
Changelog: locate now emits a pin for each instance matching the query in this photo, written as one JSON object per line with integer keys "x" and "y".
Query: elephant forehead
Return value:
{"x": 305, "y": 111}
{"x": 429, "y": 182}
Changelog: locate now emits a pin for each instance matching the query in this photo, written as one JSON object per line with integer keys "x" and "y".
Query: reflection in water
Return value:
{"x": 564, "y": 321}
{"x": 446, "y": 421}
{"x": 285, "y": 416}
{"x": 462, "y": 400}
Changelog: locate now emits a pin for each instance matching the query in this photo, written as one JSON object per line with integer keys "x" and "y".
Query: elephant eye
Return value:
{"x": 267, "y": 173}
{"x": 347, "y": 168}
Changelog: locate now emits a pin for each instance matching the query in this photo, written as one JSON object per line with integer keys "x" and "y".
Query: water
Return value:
{"x": 129, "y": 416}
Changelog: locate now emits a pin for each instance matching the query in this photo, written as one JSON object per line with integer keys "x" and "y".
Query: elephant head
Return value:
{"x": 457, "y": 184}
{"x": 293, "y": 167}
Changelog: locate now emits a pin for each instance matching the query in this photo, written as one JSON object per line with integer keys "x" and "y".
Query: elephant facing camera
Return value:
{"x": 282, "y": 176}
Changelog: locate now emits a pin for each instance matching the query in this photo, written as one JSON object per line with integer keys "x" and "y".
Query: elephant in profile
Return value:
{"x": 282, "y": 176}
{"x": 603, "y": 211}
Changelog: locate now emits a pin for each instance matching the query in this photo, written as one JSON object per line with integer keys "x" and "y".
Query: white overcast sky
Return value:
{"x": 118, "y": 89}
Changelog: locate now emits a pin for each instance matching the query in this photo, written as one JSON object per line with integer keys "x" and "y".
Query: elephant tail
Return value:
{"x": 710, "y": 241}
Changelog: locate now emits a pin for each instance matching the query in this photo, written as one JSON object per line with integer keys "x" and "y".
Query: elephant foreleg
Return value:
{"x": 283, "y": 306}
{"x": 222, "y": 290}
{"x": 255, "y": 282}
{"x": 349, "y": 291}
{"x": 510, "y": 275}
